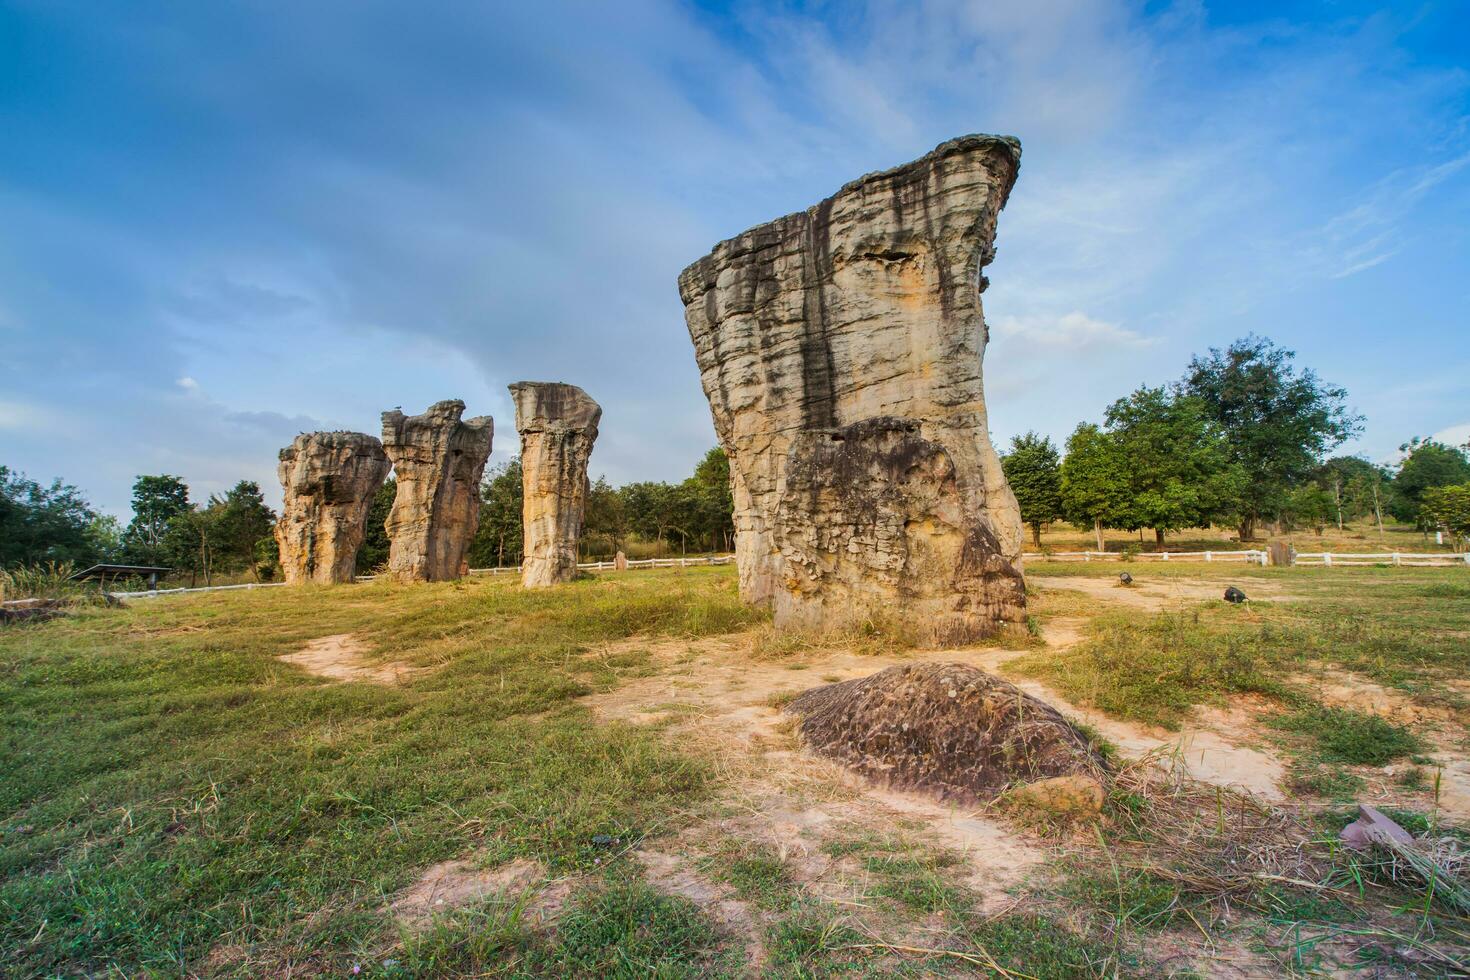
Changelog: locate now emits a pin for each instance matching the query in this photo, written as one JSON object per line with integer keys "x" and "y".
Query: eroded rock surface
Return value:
{"x": 438, "y": 460}
{"x": 328, "y": 480}
{"x": 948, "y": 729}
{"x": 840, "y": 348}
{"x": 558, "y": 425}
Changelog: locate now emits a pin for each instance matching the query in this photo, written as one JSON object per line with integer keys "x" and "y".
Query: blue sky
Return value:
{"x": 223, "y": 224}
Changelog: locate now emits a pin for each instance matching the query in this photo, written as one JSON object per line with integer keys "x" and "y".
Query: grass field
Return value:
{"x": 178, "y": 801}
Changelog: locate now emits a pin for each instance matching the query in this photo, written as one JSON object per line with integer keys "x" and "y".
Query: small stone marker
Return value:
{"x": 620, "y": 562}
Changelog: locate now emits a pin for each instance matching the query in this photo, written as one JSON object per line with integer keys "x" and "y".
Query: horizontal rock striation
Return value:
{"x": 558, "y": 425}
{"x": 840, "y": 348}
{"x": 438, "y": 461}
{"x": 328, "y": 480}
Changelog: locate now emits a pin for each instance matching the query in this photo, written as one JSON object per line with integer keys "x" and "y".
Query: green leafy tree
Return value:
{"x": 1355, "y": 486}
{"x": 651, "y": 509}
{"x": 191, "y": 541}
{"x": 373, "y": 554}
{"x": 500, "y": 539}
{"x": 1279, "y": 422}
{"x": 1429, "y": 464}
{"x": 157, "y": 500}
{"x": 49, "y": 523}
{"x": 604, "y": 516}
{"x": 243, "y": 521}
{"x": 1449, "y": 508}
{"x": 1309, "y": 506}
{"x": 1094, "y": 491}
{"x": 1033, "y": 468}
{"x": 1179, "y": 466}
{"x": 709, "y": 507}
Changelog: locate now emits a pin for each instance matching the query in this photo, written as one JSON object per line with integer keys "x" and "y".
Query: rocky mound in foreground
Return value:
{"x": 945, "y": 728}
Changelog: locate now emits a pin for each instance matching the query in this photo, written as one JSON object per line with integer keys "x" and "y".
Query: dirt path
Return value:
{"x": 343, "y": 658}
{"x": 1154, "y": 594}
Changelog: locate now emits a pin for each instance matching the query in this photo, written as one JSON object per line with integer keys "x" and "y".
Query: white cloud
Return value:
{"x": 187, "y": 383}
{"x": 1075, "y": 334}
{"x": 18, "y": 416}
{"x": 1455, "y": 435}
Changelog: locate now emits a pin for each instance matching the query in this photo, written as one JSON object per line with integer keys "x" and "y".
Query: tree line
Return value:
{"x": 1242, "y": 439}
{"x": 231, "y": 535}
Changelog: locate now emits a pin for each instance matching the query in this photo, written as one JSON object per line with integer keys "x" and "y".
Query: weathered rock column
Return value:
{"x": 840, "y": 349}
{"x": 328, "y": 480}
{"x": 438, "y": 461}
{"x": 558, "y": 425}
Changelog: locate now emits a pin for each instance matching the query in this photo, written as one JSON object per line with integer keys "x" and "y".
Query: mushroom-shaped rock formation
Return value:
{"x": 438, "y": 461}
{"x": 840, "y": 350}
{"x": 327, "y": 480}
{"x": 944, "y": 728}
{"x": 558, "y": 425}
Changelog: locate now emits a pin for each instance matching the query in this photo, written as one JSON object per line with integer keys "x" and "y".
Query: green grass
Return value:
{"x": 1349, "y": 737}
{"x": 1154, "y": 669}
{"x": 1402, "y": 628}
{"x": 756, "y": 872}
{"x": 170, "y": 786}
{"x": 628, "y": 930}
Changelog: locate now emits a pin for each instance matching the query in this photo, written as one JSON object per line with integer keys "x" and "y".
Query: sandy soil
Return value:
{"x": 1154, "y": 594}
{"x": 343, "y": 658}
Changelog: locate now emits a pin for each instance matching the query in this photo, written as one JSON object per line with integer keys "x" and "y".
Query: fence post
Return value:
{"x": 1395, "y": 557}
{"x": 1209, "y": 556}
{"x": 1165, "y": 556}
{"x": 1327, "y": 558}
{"x": 1087, "y": 556}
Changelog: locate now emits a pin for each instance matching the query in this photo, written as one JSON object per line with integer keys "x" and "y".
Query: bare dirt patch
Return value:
{"x": 448, "y": 885}
{"x": 343, "y": 658}
{"x": 785, "y": 799}
{"x": 1154, "y": 594}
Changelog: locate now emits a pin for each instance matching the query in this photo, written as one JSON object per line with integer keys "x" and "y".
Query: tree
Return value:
{"x": 49, "y": 523}
{"x": 1428, "y": 464}
{"x": 1309, "y": 505}
{"x": 157, "y": 500}
{"x": 604, "y": 515}
{"x": 1178, "y": 462}
{"x": 1449, "y": 508}
{"x": 190, "y": 542}
{"x": 1279, "y": 422}
{"x": 243, "y": 521}
{"x": 650, "y": 508}
{"x": 1093, "y": 491}
{"x": 709, "y": 505}
{"x": 500, "y": 539}
{"x": 1353, "y": 484}
{"x": 373, "y": 554}
{"x": 1034, "y": 471}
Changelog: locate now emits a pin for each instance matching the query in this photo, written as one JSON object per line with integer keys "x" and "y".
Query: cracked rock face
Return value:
{"x": 558, "y": 425}
{"x": 840, "y": 349}
{"x": 438, "y": 461}
{"x": 328, "y": 480}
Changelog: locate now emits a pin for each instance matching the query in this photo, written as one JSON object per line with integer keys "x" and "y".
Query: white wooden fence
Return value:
{"x": 1250, "y": 557}
{"x": 604, "y": 566}
{"x": 1329, "y": 559}
{"x": 1349, "y": 559}
{"x": 155, "y": 593}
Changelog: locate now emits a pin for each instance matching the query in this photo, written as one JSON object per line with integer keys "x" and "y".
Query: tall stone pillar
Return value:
{"x": 438, "y": 461}
{"x": 558, "y": 425}
{"x": 327, "y": 481}
{"x": 840, "y": 349}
